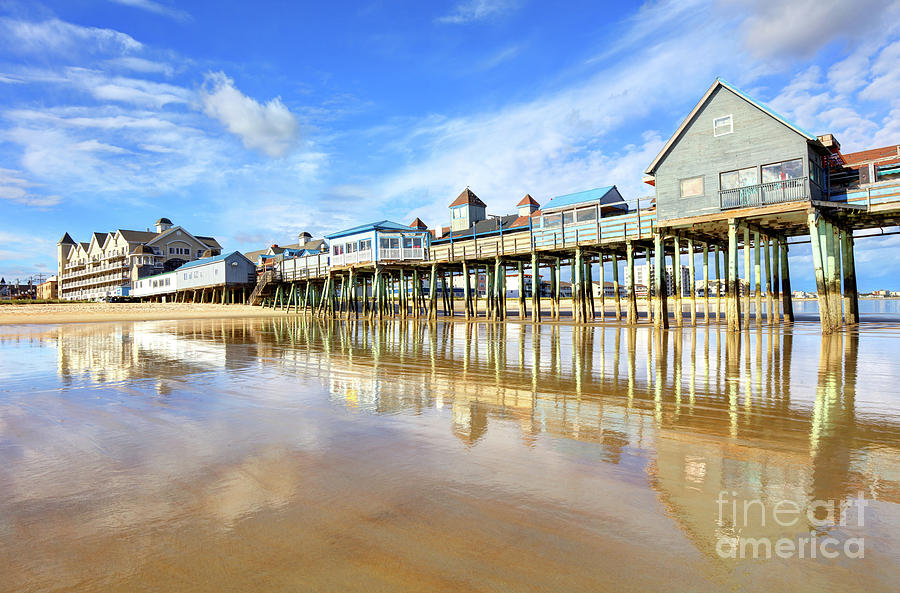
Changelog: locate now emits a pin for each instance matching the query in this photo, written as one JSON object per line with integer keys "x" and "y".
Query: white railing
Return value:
{"x": 775, "y": 192}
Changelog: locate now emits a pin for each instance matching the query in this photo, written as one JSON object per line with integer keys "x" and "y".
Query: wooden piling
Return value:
{"x": 776, "y": 281}
{"x": 770, "y": 298}
{"x": 555, "y": 288}
{"x": 632, "y": 297}
{"x": 659, "y": 284}
{"x": 467, "y": 297}
{"x": 616, "y": 295}
{"x": 757, "y": 277}
{"x": 520, "y": 270}
{"x": 787, "y": 302}
{"x": 832, "y": 276}
{"x": 648, "y": 285}
{"x": 816, "y": 237}
{"x": 535, "y": 288}
{"x": 676, "y": 280}
{"x": 578, "y": 287}
{"x": 733, "y": 302}
{"x": 851, "y": 296}
{"x": 590, "y": 309}
{"x": 718, "y": 285}
{"x": 601, "y": 278}
{"x": 706, "y": 282}
{"x": 692, "y": 282}
{"x": 747, "y": 269}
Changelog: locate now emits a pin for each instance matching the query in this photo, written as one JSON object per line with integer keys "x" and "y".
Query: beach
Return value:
{"x": 91, "y": 312}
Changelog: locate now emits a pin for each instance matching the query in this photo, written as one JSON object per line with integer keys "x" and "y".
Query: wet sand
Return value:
{"x": 291, "y": 455}
{"x": 88, "y": 312}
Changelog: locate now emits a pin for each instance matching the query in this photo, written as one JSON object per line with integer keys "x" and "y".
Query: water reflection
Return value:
{"x": 769, "y": 414}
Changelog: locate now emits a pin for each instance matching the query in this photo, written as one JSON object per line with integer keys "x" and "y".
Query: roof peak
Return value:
{"x": 528, "y": 200}
{"x": 467, "y": 196}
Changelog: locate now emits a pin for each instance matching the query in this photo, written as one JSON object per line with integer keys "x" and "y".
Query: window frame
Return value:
{"x": 729, "y": 118}
{"x": 702, "y": 186}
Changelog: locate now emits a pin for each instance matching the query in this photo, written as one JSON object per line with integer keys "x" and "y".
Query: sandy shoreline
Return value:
{"x": 90, "y": 312}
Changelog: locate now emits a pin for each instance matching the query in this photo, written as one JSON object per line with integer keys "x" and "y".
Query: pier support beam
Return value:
{"x": 616, "y": 295}
{"x": 817, "y": 240}
{"x": 432, "y": 292}
{"x": 718, "y": 288}
{"x": 676, "y": 281}
{"x": 706, "y": 282}
{"x": 520, "y": 270}
{"x": 746, "y": 275}
{"x": 601, "y": 278}
{"x": 786, "y": 297}
{"x": 770, "y": 297}
{"x": 535, "y": 288}
{"x": 632, "y": 297}
{"x": 578, "y": 287}
{"x": 733, "y": 291}
{"x": 757, "y": 276}
{"x": 851, "y": 296}
{"x": 648, "y": 285}
{"x": 659, "y": 284}
{"x": 692, "y": 282}
{"x": 555, "y": 281}
{"x": 467, "y": 295}
{"x": 589, "y": 288}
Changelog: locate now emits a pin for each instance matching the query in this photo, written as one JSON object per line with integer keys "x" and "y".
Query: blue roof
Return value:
{"x": 765, "y": 108}
{"x": 209, "y": 260}
{"x": 381, "y": 225}
{"x": 591, "y": 195}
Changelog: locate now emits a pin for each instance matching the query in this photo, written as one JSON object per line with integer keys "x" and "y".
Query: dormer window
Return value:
{"x": 458, "y": 212}
{"x": 723, "y": 125}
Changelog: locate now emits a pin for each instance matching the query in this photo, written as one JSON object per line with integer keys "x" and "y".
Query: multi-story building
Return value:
{"x": 49, "y": 289}
{"x": 108, "y": 264}
{"x": 644, "y": 275}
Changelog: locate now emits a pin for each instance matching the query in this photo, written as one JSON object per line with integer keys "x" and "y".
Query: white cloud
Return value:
{"x": 14, "y": 187}
{"x": 157, "y": 8}
{"x": 141, "y": 65}
{"x": 59, "y": 37}
{"x": 268, "y": 127}
{"x": 476, "y": 10}
{"x": 798, "y": 29}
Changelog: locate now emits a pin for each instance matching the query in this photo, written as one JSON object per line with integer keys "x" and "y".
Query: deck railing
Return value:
{"x": 763, "y": 194}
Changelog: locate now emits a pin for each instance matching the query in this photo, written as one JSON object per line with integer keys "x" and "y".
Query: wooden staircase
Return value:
{"x": 261, "y": 283}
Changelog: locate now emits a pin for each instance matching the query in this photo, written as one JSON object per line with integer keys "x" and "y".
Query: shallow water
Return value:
{"x": 295, "y": 455}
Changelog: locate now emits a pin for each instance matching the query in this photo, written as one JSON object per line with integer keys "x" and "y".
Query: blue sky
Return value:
{"x": 253, "y": 121}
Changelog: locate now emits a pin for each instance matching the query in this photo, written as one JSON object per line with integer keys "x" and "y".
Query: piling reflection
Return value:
{"x": 770, "y": 414}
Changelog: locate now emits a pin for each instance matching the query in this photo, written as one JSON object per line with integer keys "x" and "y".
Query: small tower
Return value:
{"x": 303, "y": 238}
{"x": 62, "y": 252}
{"x": 163, "y": 224}
{"x": 527, "y": 206}
{"x": 418, "y": 225}
{"x": 466, "y": 210}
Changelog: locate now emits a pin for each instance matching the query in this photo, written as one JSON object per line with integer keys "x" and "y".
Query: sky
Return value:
{"x": 254, "y": 121}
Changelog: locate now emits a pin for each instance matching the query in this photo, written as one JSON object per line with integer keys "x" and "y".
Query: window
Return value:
{"x": 417, "y": 242}
{"x": 351, "y": 247}
{"x": 739, "y": 178}
{"x": 783, "y": 170}
{"x": 365, "y": 244}
{"x": 551, "y": 221}
{"x": 586, "y": 214}
{"x": 171, "y": 250}
{"x": 458, "y": 212}
{"x": 390, "y": 242}
{"x": 723, "y": 125}
{"x": 568, "y": 217}
{"x": 816, "y": 173}
{"x": 407, "y": 242}
{"x": 693, "y": 186}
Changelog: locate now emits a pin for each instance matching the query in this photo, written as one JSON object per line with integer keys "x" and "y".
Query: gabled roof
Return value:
{"x": 885, "y": 154}
{"x": 381, "y": 225}
{"x": 527, "y": 201}
{"x": 66, "y": 240}
{"x": 603, "y": 195}
{"x": 468, "y": 197}
{"x": 719, "y": 83}
{"x": 215, "y": 258}
{"x": 208, "y": 241}
{"x": 137, "y": 236}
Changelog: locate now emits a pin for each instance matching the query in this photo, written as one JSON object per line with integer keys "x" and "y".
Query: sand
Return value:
{"x": 89, "y": 312}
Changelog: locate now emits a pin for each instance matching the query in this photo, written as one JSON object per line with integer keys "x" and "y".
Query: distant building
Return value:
{"x": 49, "y": 289}
{"x": 305, "y": 245}
{"x": 219, "y": 271}
{"x": 109, "y": 263}
{"x": 644, "y": 275}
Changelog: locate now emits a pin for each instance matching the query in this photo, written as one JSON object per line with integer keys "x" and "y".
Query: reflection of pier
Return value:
{"x": 702, "y": 393}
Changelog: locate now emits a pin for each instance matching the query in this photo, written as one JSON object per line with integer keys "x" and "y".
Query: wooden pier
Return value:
{"x": 713, "y": 244}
